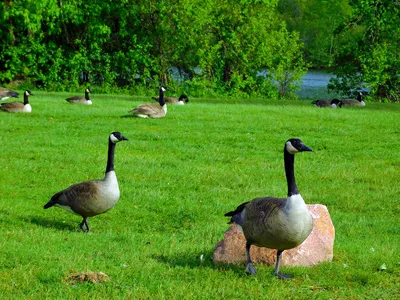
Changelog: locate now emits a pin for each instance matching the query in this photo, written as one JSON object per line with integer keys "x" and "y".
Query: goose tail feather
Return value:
{"x": 236, "y": 215}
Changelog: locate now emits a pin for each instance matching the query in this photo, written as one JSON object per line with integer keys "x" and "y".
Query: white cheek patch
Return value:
{"x": 113, "y": 139}
{"x": 290, "y": 148}
{"x": 163, "y": 89}
{"x": 26, "y": 93}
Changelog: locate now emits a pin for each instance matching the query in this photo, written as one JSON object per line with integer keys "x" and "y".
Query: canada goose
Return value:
{"x": 276, "y": 223}
{"x": 154, "y": 111}
{"x": 18, "y": 106}
{"x": 327, "y": 103}
{"x": 354, "y": 102}
{"x": 174, "y": 100}
{"x": 91, "y": 198}
{"x": 7, "y": 93}
{"x": 81, "y": 99}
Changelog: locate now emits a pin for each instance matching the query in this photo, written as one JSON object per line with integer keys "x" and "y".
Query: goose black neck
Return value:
{"x": 289, "y": 171}
{"x": 25, "y": 99}
{"x": 110, "y": 159}
{"x": 359, "y": 97}
{"x": 161, "y": 98}
{"x": 87, "y": 95}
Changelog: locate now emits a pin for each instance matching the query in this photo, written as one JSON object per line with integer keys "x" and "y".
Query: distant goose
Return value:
{"x": 276, "y": 223}
{"x": 13, "y": 107}
{"x": 183, "y": 99}
{"x": 354, "y": 102}
{"x": 327, "y": 103}
{"x": 81, "y": 99}
{"x": 154, "y": 111}
{"x": 91, "y": 198}
{"x": 7, "y": 93}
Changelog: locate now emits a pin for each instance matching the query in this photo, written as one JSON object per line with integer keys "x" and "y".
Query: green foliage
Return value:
{"x": 316, "y": 22}
{"x": 289, "y": 66}
{"x": 178, "y": 176}
{"x": 131, "y": 44}
{"x": 372, "y": 57}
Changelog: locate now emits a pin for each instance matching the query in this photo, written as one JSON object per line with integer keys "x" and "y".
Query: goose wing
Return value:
{"x": 7, "y": 93}
{"x": 12, "y": 106}
{"x": 171, "y": 100}
{"x": 322, "y": 102}
{"x": 77, "y": 198}
{"x": 75, "y": 99}
{"x": 350, "y": 101}
{"x": 147, "y": 109}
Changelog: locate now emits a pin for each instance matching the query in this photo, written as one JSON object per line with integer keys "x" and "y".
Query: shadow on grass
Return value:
{"x": 46, "y": 223}
{"x": 10, "y": 219}
{"x": 193, "y": 261}
{"x": 127, "y": 116}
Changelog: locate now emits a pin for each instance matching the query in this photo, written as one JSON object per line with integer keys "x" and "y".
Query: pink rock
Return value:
{"x": 318, "y": 247}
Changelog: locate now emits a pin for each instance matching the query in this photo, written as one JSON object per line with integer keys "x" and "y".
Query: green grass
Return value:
{"x": 178, "y": 176}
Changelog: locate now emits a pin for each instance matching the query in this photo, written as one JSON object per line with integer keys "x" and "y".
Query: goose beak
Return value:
{"x": 305, "y": 148}
{"x": 124, "y": 138}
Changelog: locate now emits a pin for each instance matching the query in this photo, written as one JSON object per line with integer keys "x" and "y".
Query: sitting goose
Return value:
{"x": 81, "y": 99}
{"x": 24, "y": 107}
{"x": 182, "y": 100}
{"x": 354, "y": 102}
{"x": 154, "y": 111}
{"x": 327, "y": 103}
{"x": 7, "y": 93}
{"x": 276, "y": 223}
{"x": 91, "y": 198}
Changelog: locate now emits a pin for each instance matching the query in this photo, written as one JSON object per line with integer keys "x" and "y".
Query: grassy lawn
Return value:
{"x": 178, "y": 176}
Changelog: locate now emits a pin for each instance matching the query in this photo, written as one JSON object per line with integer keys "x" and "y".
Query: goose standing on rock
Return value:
{"x": 14, "y": 107}
{"x": 354, "y": 102}
{"x": 182, "y": 100}
{"x": 154, "y": 111}
{"x": 91, "y": 198}
{"x": 276, "y": 223}
{"x": 7, "y": 93}
{"x": 81, "y": 99}
{"x": 328, "y": 103}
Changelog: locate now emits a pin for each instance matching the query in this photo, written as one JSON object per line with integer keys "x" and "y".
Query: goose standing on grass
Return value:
{"x": 14, "y": 107}
{"x": 328, "y": 103}
{"x": 81, "y": 99}
{"x": 91, "y": 198}
{"x": 154, "y": 111}
{"x": 7, "y": 93}
{"x": 276, "y": 223}
{"x": 182, "y": 100}
{"x": 354, "y": 102}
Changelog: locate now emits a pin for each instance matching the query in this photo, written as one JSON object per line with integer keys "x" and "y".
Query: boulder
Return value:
{"x": 317, "y": 248}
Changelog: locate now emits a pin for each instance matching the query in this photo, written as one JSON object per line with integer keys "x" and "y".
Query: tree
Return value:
{"x": 371, "y": 55}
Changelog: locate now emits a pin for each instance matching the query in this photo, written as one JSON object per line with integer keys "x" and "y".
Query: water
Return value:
{"x": 314, "y": 85}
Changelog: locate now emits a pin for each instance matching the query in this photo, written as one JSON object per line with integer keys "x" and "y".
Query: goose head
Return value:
{"x": 359, "y": 96}
{"x": 116, "y": 137}
{"x": 336, "y": 102}
{"x": 294, "y": 146}
{"x": 28, "y": 93}
{"x": 184, "y": 97}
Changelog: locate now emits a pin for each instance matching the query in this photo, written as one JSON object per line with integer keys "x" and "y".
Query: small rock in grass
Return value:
{"x": 91, "y": 277}
{"x": 317, "y": 248}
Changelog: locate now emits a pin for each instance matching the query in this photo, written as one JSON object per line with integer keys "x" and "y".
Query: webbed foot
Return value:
{"x": 282, "y": 276}
{"x": 250, "y": 270}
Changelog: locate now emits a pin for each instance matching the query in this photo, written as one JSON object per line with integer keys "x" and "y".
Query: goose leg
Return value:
{"x": 86, "y": 223}
{"x": 278, "y": 263}
{"x": 249, "y": 268}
